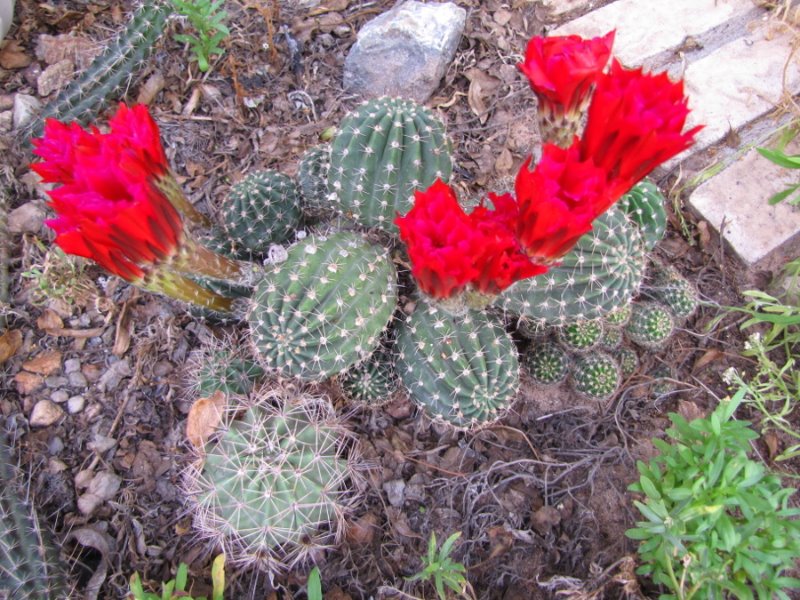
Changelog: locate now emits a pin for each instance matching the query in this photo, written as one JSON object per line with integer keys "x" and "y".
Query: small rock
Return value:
{"x": 111, "y": 379}
{"x": 45, "y": 413}
{"x": 56, "y": 381}
{"x": 6, "y": 101}
{"x": 77, "y": 380}
{"x": 405, "y": 51}
{"x": 102, "y": 487}
{"x": 54, "y": 48}
{"x": 27, "y": 383}
{"x": 72, "y": 365}
{"x": 25, "y": 109}
{"x": 102, "y": 443}
{"x": 55, "y": 445}
{"x": 6, "y": 120}
{"x": 75, "y": 404}
{"x": 27, "y": 218}
{"x": 395, "y": 492}
{"x": 55, "y": 77}
{"x": 59, "y": 396}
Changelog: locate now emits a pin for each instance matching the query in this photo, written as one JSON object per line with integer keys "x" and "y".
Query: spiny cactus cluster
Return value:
{"x": 271, "y": 489}
{"x": 373, "y": 382}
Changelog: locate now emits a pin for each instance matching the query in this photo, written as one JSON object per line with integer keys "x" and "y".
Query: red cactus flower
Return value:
{"x": 635, "y": 123}
{"x": 557, "y": 202}
{"x": 450, "y": 250}
{"x": 562, "y": 71}
{"x": 111, "y": 206}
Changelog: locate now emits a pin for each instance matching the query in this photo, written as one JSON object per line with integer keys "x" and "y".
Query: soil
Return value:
{"x": 540, "y": 497}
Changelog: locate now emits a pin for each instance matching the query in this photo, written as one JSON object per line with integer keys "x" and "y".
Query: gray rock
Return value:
{"x": 405, "y": 51}
{"x": 45, "y": 413}
{"x": 25, "y": 109}
{"x": 71, "y": 365}
{"x": 75, "y": 404}
{"x": 27, "y": 218}
{"x": 59, "y": 396}
{"x": 55, "y": 77}
{"x": 77, "y": 380}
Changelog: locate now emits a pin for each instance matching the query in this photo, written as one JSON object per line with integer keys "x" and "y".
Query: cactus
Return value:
{"x": 644, "y": 204}
{"x": 603, "y": 272}
{"x": 221, "y": 367}
{"x": 312, "y": 174}
{"x": 547, "y": 363}
{"x": 323, "y": 309}
{"x": 611, "y": 338}
{"x": 582, "y": 335}
{"x": 595, "y": 376}
{"x": 463, "y": 369}
{"x": 383, "y": 152}
{"x": 29, "y": 565}
{"x": 111, "y": 71}
{"x": 270, "y": 491}
{"x": 650, "y": 325}
{"x": 371, "y": 382}
{"x": 627, "y": 359}
{"x": 262, "y": 209}
{"x": 673, "y": 290}
{"x": 619, "y": 315}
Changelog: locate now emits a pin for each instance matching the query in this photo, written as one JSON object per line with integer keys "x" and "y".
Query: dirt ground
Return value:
{"x": 540, "y": 497}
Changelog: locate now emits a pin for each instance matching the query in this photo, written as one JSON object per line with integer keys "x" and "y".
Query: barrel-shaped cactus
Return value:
{"x": 668, "y": 287}
{"x": 221, "y": 366}
{"x": 271, "y": 488}
{"x": 463, "y": 369}
{"x": 650, "y": 325}
{"x": 603, "y": 272}
{"x": 644, "y": 204}
{"x": 627, "y": 359}
{"x": 324, "y": 308}
{"x": 595, "y": 376}
{"x": 383, "y": 152}
{"x": 262, "y": 209}
{"x": 547, "y": 363}
{"x": 373, "y": 381}
{"x": 581, "y": 335}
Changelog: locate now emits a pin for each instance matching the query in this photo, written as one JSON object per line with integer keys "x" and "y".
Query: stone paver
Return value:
{"x": 735, "y": 201}
{"x": 646, "y": 28}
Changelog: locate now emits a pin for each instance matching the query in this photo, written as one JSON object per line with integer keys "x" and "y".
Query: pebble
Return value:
{"x": 6, "y": 120}
{"x": 71, "y": 365}
{"x": 25, "y": 108}
{"x": 56, "y": 381}
{"x": 395, "y": 492}
{"x": 77, "y": 380}
{"x": 45, "y": 413}
{"x": 55, "y": 445}
{"x": 55, "y": 77}
{"x": 75, "y": 404}
{"x": 102, "y": 487}
{"x": 27, "y": 218}
{"x": 59, "y": 396}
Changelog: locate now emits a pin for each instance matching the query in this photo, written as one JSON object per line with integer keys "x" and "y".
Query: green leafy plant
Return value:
{"x": 176, "y": 588}
{"x": 788, "y": 161}
{"x": 716, "y": 522}
{"x": 442, "y": 569}
{"x": 208, "y": 21}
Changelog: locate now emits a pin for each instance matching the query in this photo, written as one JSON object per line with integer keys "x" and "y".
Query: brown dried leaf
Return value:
{"x": 13, "y": 56}
{"x": 709, "y": 356}
{"x": 481, "y": 87}
{"x": 689, "y": 410}
{"x": 771, "y": 441}
{"x": 122, "y": 336}
{"x": 150, "y": 89}
{"x": 362, "y": 531}
{"x": 504, "y": 163}
{"x": 49, "y": 320}
{"x": 10, "y": 342}
{"x": 203, "y": 419}
{"x": 704, "y": 234}
{"x": 44, "y": 364}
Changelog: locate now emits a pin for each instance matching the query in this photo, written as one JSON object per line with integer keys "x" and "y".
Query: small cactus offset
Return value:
{"x": 547, "y": 363}
{"x": 385, "y": 151}
{"x": 221, "y": 367}
{"x": 644, "y": 204}
{"x": 372, "y": 382}
{"x": 312, "y": 174}
{"x": 582, "y": 335}
{"x": 650, "y": 325}
{"x": 29, "y": 565}
{"x": 619, "y": 315}
{"x": 463, "y": 369}
{"x": 611, "y": 338}
{"x": 323, "y": 309}
{"x": 673, "y": 290}
{"x": 595, "y": 376}
{"x": 271, "y": 489}
{"x": 262, "y": 209}
{"x": 628, "y": 360}
{"x": 111, "y": 71}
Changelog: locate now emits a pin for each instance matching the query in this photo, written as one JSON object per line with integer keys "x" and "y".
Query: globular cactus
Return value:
{"x": 262, "y": 209}
{"x": 221, "y": 367}
{"x": 383, "y": 152}
{"x": 611, "y": 338}
{"x": 324, "y": 308}
{"x": 547, "y": 363}
{"x": 581, "y": 335}
{"x": 29, "y": 564}
{"x": 673, "y": 290}
{"x": 644, "y": 204}
{"x": 603, "y": 272}
{"x": 372, "y": 382}
{"x": 595, "y": 376}
{"x": 272, "y": 488}
{"x": 463, "y": 369}
{"x": 627, "y": 359}
{"x": 650, "y": 325}
{"x": 111, "y": 71}
{"x": 619, "y": 315}
{"x": 312, "y": 174}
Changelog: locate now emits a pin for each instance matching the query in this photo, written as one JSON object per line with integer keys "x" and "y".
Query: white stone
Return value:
{"x": 556, "y": 8}
{"x": 25, "y": 108}
{"x": 75, "y": 404}
{"x": 405, "y": 51}
{"x": 762, "y": 236}
{"x": 646, "y": 28}
{"x": 45, "y": 413}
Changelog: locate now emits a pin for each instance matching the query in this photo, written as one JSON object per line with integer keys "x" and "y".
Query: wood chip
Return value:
{"x": 10, "y": 342}
{"x": 204, "y": 418}
{"x": 45, "y": 363}
{"x": 27, "y": 383}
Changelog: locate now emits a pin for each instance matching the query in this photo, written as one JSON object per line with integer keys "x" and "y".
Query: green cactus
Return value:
{"x": 323, "y": 309}
{"x": 463, "y": 369}
{"x": 220, "y": 366}
{"x": 547, "y": 363}
{"x": 271, "y": 489}
{"x": 111, "y": 71}
{"x": 601, "y": 273}
{"x": 29, "y": 564}
{"x": 373, "y": 381}
{"x": 628, "y": 360}
{"x": 529, "y": 328}
{"x": 595, "y": 376}
{"x": 312, "y": 174}
{"x": 611, "y": 338}
{"x": 262, "y": 209}
{"x": 581, "y": 335}
{"x": 673, "y": 290}
{"x": 650, "y": 325}
{"x": 645, "y": 205}
{"x": 385, "y": 151}
{"x": 619, "y": 315}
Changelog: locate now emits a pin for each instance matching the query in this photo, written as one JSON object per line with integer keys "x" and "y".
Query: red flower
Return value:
{"x": 558, "y": 202}
{"x": 562, "y": 69}
{"x": 112, "y": 208}
{"x": 634, "y": 124}
{"x": 450, "y": 250}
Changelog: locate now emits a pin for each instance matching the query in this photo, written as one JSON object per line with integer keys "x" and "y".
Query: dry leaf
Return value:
{"x": 504, "y": 163}
{"x": 481, "y": 88}
{"x": 122, "y": 337}
{"x": 771, "y": 441}
{"x": 49, "y": 321}
{"x": 204, "y": 417}
{"x": 150, "y": 89}
{"x": 705, "y": 235}
{"x": 689, "y": 410}
{"x": 13, "y": 56}
{"x": 709, "y": 356}
{"x": 27, "y": 383}
{"x": 10, "y": 342}
{"x": 44, "y": 364}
